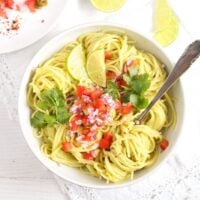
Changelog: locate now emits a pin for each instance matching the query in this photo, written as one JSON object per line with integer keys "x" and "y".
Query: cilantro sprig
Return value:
{"x": 137, "y": 86}
{"x": 54, "y": 102}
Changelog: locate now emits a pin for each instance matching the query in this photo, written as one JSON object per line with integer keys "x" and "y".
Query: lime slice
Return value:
{"x": 168, "y": 35}
{"x": 76, "y": 63}
{"x": 163, "y": 15}
{"x": 96, "y": 67}
{"x": 108, "y": 5}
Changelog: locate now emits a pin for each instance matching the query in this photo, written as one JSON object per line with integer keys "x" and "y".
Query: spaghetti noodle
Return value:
{"x": 118, "y": 147}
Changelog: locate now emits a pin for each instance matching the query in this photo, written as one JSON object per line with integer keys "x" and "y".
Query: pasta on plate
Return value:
{"x": 85, "y": 98}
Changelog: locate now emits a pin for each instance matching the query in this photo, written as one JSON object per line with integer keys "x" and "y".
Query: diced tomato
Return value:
{"x": 31, "y": 4}
{"x": 96, "y": 94}
{"x": 81, "y": 103}
{"x": 2, "y": 13}
{"x": 86, "y": 108}
{"x": 108, "y": 136}
{"x": 73, "y": 124}
{"x": 87, "y": 91}
{"x": 99, "y": 104}
{"x": 85, "y": 131}
{"x": 108, "y": 55}
{"x": 164, "y": 144}
{"x": 118, "y": 104}
{"x": 110, "y": 75}
{"x": 88, "y": 156}
{"x": 66, "y": 146}
{"x": 121, "y": 82}
{"x": 126, "y": 109}
{"x": 104, "y": 144}
{"x": 9, "y": 3}
{"x": 90, "y": 137}
{"x": 79, "y": 90}
{"x": 85, "y": 121}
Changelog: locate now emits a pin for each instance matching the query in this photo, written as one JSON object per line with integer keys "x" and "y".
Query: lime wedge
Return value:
{"x": 108, "y": 5}
{"x": 168, "y": 35}
{"x": 96, "y": 67}
{"x": 76, "y": 63}
{"x": 163, "y": 15}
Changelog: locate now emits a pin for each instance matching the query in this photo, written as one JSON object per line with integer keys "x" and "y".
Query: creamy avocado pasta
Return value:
{"x": 85, "y": 99}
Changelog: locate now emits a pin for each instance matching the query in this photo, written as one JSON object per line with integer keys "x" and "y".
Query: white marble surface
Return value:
{"x": 22, "y": 176}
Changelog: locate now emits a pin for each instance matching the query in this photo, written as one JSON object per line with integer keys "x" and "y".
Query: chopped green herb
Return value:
{"x": 54, "y": 102}
{"x": 112, "y": 90}
{"x": 37, "y": 120}
{"x": 137, "y": 85}
{"x": 140, "y": 83}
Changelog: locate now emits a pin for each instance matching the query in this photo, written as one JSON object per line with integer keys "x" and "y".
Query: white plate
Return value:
{"x": 72, "y": 174}
{"x": 33, "y": 26}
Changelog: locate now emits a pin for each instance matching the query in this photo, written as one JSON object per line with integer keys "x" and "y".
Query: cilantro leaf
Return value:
{"x": 53, "y": 98}
{"x": 126, "y": 97}
{"x": 50, "y": 119}
{"x": 112, "y": 90}
{"x": 140, "y": 83}
{"x": 142, "y": 102}
{"x": 137, "y": 85}
{"x": 62, "y": 115}
{"x": 54, "y": 102}
{"x": 37, "y": 120}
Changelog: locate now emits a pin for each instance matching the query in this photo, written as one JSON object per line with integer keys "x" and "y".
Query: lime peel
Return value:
{"x": 96, "y": 67}
{"x": 108, "y": 5}
{"x": 166, "y": 24}
{"x": 76, "y": 63}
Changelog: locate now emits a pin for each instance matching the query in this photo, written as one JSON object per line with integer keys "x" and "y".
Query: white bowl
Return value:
{"x": 72, "y": 174}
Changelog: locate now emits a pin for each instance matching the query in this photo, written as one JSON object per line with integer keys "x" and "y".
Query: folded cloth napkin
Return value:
{"x": 173, "y": 181}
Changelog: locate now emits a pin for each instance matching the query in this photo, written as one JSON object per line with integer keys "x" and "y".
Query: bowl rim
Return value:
{"x": 23, "y": 85}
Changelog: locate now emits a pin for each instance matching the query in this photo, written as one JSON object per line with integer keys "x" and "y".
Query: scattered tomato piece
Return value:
{"x": 108, "y": 136}
{"x": 85, "y": 131}
{"x": 121, "y": 82}
{"x": 164, "y": 144}
{"x": 104, "y": 144}
{"x": 2, "y": 13}
{"x": 111, "y": 75}
{"x": 85, "y": 121}
{"x": 87, "y": 91}
{"x": 66, "y": 146}
{"x": 90, "y": 137}
{"x": 96, "y": 94}
{"x": 99, "y": 104}
{"x": 31, "y": 4}
{"x": 88, "y": 156}
{"x": 9, "y": 3}
{"x": 108, "y": 55}
{"x": 79, "y": 90}
{"x": 73, "y": 124}
{"x": 126, "y": 109}
{"x": 106, "y": 141}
